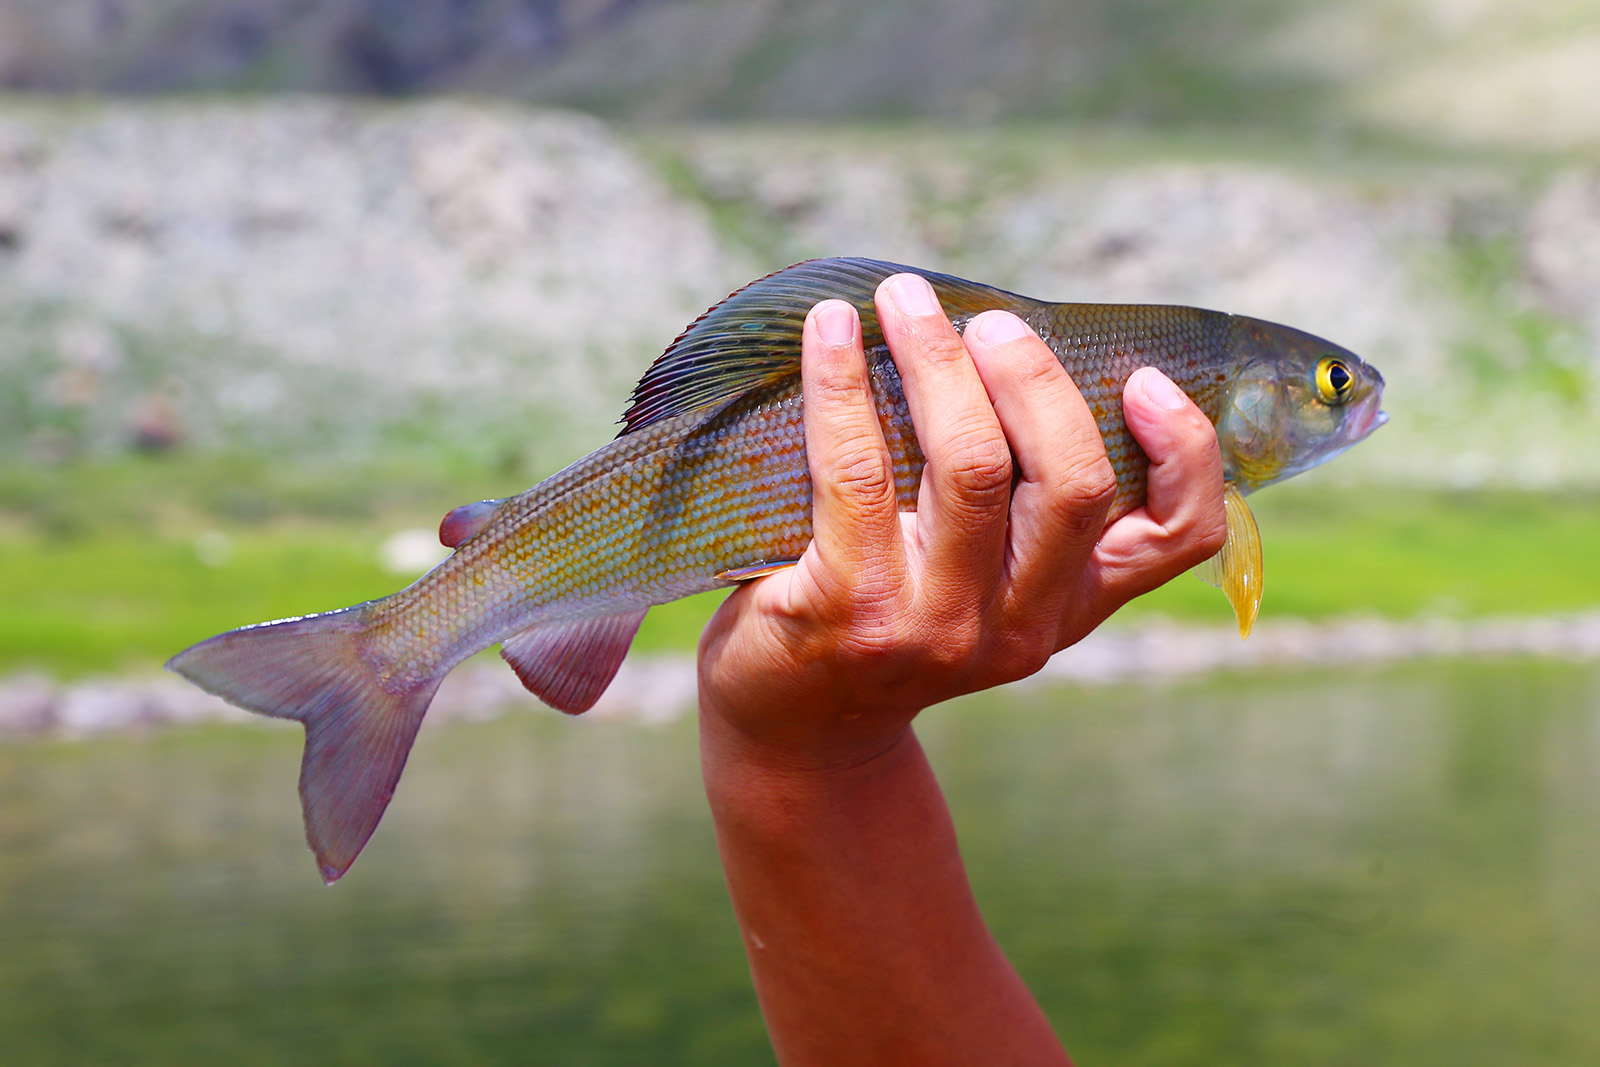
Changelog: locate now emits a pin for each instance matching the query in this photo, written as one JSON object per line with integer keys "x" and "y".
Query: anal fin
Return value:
{"x": 568, "y": 665}
{"x": 1236, "y": 569}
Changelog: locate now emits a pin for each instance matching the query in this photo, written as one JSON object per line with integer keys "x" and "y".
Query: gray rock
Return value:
{"x": 308, "y": 277}
{"x": 28, "y": 705}
{"x": 271, "y": 262}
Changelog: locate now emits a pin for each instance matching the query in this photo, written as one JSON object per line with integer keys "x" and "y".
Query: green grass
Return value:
{"x": 1403, "y": 553}
{"x": 103, "y": 566}
{"x": 107, "y": 603}
{"x": 102, "y": 569}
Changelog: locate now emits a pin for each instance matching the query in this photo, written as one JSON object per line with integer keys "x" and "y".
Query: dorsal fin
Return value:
{"x": 752, "y": 339}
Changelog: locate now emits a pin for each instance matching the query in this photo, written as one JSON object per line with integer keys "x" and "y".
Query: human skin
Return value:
{"x": 865, "y": 944}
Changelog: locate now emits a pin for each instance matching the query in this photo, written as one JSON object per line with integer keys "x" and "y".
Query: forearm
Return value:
{"x": 864, "y": 940}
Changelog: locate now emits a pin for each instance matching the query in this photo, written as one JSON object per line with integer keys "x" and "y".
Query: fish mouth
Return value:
{"x": 1367, "y": 418}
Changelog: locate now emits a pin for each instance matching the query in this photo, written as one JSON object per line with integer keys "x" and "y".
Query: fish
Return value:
{"x": 706, "y": 485}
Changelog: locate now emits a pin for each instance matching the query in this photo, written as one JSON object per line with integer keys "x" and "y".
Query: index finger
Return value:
{"x": 855, "y": 520}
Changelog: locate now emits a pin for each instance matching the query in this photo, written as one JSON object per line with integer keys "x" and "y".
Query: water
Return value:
{"x": 1385, "y": 867}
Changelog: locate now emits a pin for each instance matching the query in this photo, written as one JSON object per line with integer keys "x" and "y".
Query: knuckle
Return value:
{"x": 1025, "y": 653}
{"x": 957, "y": 648}
{"x": 943, "y": 347}
{"x": 871, "y": 643}
{"x": 1085, "y": 492}
{"x": 859, "y": 618}
{"x": 879, "y": 645}
{"x": 1095, "y": 484}
{"x": 1037, "y": 369}
{"x": 837, "y": 384}
{"x": 1198, "y": 436}
{"x": 865, "y": 474}
{"x": 1200, "y": 425}
{"x": 980, "y": 463}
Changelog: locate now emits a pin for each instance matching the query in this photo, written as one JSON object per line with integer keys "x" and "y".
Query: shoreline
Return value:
{"x": 661, "y": 689}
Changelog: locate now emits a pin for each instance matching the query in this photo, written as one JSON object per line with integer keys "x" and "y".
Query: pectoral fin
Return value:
{"x": 1236, "y": 568}
{"x": 757, "y": 570}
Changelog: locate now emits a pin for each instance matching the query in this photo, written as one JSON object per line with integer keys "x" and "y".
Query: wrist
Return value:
{"x": 793, "y": 741}
{"x": 796, "y": 775}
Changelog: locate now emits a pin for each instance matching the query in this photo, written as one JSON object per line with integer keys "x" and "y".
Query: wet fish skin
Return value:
{"x": 708, "y": 482}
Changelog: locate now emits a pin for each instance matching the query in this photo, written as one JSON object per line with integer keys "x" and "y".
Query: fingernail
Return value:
{"x": 836, "y": 322}
{"x": 913, "y": 295}
{"x": 1158, "y": 388}
{"x": 998, "y": 327}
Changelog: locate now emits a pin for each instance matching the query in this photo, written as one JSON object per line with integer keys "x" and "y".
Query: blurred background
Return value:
{"x": 281, "y": 281}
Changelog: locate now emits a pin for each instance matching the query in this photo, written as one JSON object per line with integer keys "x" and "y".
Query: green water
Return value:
{"x": 1393, "y": 867}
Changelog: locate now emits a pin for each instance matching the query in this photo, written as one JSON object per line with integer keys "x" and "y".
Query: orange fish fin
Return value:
{"x": 751, "y": 340}
{"x": 1236, "y": 569}
{"x": 466, "y": 522}
{"x": 359, "y": 729}
{"x": 568, "y": 665}
{"x": 757, "y": 570}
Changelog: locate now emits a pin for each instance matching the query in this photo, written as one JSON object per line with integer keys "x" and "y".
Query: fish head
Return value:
{"x": 1295, "y": 401}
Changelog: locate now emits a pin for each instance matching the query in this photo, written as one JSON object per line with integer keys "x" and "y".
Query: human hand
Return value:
{"x": 1005, "y": 561}
{"x": 863, "y": 938}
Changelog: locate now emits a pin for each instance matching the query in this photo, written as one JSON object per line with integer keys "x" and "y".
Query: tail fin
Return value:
{"x": 359, "y": 725}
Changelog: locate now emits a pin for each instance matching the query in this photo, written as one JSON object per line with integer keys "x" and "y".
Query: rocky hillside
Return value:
{"x": 315, "y": 276}
{"x": 1484, "y": 71}
{"x": 332, "y": 279}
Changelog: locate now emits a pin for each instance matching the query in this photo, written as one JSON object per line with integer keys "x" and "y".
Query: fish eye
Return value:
{"x": 1334, "y": 380}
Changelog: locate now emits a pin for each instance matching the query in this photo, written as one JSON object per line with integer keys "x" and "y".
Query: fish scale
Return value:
{"x": 730, "y": 490}
{"x": 708, "y": 479}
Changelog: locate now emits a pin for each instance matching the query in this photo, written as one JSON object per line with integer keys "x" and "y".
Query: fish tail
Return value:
{"x": 359, "y": 723}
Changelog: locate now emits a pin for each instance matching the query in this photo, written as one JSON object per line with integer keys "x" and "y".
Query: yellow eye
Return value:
{"x": 1334, "y": 380}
